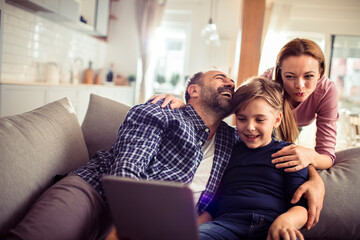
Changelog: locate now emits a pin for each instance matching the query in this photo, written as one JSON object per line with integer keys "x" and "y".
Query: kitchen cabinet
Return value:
{"x": 51, "y": 5}
{"x": 68, "y": 12}
{"x": 102, "y": 17}
{"x": 55, "y": 10}
{"x": 96, "y": 14}
{"x": 69, "y": 9}
{"x": 20, "y": 98}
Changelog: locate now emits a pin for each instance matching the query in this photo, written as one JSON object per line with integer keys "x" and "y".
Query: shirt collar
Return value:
{"x": 195, "y": 118}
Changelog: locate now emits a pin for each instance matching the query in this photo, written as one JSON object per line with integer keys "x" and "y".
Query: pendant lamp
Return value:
{"x": 209, "y": 32}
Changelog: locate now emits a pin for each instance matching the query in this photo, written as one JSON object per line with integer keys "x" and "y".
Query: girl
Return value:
{"x": 254, "y": 196}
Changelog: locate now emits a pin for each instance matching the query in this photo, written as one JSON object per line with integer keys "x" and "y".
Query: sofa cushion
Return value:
{"x": 101, "y": 123}
{"x": 340, "y": 218}
{"x": 34, "y": 147}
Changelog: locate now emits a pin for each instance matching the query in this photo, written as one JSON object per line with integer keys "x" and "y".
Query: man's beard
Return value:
{"x": 213, "y": 100}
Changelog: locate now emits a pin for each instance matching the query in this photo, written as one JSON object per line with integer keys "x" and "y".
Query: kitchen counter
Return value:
{"x": 59, "y": 84}
{"x": 19, "y": 97}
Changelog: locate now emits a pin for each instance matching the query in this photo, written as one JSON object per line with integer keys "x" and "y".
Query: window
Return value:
{"x": 345, "y": 72}
{"x": 171, "y": 44}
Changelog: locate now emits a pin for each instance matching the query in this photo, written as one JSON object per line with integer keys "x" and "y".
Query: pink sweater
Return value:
{"x": 322, "y": 104}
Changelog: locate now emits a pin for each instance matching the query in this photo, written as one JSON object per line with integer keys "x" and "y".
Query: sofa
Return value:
{"x": 38, "y": 145}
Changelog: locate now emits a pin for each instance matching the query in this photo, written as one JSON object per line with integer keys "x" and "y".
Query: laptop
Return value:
{"x": 151, "y": 210}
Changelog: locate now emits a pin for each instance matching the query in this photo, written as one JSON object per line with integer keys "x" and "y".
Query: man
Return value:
{"x": 152, "y": 143}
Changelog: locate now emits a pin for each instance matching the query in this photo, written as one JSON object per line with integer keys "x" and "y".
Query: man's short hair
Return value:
{"x": 195, "y": 79}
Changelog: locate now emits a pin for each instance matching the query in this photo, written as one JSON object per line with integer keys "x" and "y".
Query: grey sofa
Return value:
{"x": 48, "y": 141}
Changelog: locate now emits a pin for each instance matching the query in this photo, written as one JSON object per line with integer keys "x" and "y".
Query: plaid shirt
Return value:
{"x": 161, "y": 144}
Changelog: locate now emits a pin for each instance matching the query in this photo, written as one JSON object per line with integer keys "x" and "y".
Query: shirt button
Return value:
{"x": 207, "y": 130}
{"x": 200, "y": 143}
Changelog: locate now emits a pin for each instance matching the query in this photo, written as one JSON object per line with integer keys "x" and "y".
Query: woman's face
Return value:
{"x": 300, "y": 75}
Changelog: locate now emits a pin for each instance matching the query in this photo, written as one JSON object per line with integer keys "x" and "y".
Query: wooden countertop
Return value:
{"x": 23, "y": 83}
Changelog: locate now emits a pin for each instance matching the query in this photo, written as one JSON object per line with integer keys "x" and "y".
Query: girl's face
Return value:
{"x": 300, "y": 75}
{"x": 256, "y": 122}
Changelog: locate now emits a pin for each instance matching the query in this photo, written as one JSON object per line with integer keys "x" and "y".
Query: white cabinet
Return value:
{"x": 19, "y": 99}
{"x": 68, "y": 12}
{"x": 102, "y": 17}
{"x": 16, "y": 99}
{"x": 56, "y": 10}
{"x": 69, "y": 9}
{"x": 96, "y": 14}
{"x": 51, "y": 5}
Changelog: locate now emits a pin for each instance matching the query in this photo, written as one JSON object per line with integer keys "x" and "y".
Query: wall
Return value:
{"x": 30, "y": 41}
{"x": 123, "y": 46}
{"x": 317, "y": 20}
{"x": 123, "y": 42}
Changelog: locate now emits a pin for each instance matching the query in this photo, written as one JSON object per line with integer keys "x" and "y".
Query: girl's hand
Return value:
{"x": 204, "y": 217}
{"x": 112, "y": 235}
{"x": 281, "y": 228}
{"x": 175, "y": 103}
{"x": 294, "y": 158}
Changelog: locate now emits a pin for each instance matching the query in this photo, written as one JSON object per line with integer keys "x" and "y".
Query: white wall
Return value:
{"x": 315, "y": 19}
{"x": 123, "y": 41}
{"x": 123, "y": 48}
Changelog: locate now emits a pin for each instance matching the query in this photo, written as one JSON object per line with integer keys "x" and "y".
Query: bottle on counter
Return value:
{"x": 76, "y": 70}
{"x": 100, "y": 76}
{"x": 110, "y": 74}
{"x": 89, "y": 75}
{"x": 52, "y": 74}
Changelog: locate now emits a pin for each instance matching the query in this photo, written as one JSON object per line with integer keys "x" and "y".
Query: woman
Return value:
{"x": 300, "y": 67}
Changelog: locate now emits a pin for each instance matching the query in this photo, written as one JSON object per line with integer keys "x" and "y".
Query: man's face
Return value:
{"x": 217, "y": 91}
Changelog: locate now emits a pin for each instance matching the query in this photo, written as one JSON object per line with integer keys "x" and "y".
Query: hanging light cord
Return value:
{"x": 211, "y": 11}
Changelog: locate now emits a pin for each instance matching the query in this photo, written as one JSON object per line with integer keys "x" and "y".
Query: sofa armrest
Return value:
{"x": 35, "y": 146}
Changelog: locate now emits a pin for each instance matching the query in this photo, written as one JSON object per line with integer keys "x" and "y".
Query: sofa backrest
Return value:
{"x": 34, "y": 147}
{"x": 340, "y": 218}
{"x": 101, "y": 123}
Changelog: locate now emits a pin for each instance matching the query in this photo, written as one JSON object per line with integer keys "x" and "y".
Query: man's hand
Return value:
{"x": 314, "y": 191}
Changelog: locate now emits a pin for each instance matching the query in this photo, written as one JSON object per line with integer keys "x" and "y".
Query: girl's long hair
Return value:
{"x": 273, "y": 93}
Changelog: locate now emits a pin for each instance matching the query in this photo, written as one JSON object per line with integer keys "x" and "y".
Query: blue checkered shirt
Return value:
{"x": 161, "y": 144}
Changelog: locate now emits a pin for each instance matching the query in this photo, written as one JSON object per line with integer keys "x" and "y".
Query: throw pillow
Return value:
{"x": 101, "y": 123}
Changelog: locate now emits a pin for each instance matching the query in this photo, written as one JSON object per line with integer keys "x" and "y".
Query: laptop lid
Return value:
{"x": 151, "y": 210}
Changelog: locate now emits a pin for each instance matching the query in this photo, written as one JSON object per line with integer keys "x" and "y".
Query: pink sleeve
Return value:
{"x": 327, "y": 115}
